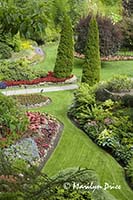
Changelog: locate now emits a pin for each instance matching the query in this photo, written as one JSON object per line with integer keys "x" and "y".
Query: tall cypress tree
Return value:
{"x": 92, "y": 64}
{"x": 64, "y": 61}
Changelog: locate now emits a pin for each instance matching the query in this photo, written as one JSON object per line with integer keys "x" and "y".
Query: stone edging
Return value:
{"x": 47, "y": 102}
{"x": 108, "y": 58}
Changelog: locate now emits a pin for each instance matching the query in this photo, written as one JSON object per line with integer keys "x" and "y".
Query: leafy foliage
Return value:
{"x": 30, "y": 20}
{"x": 17, "y": 70}
{"x": 110, "y": 35}
{"x": 64, "y": 61}
{"x": 105, "y": 122}
{"x": 31, "y": 184}
{"x": 119, "y": 83}
{"x": 91, "y": 66}
{"x": 13, "y": 121}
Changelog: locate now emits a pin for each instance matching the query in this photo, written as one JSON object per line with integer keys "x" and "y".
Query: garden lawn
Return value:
{"x": 108, "y": 68}
{"x": 76, "y": 149}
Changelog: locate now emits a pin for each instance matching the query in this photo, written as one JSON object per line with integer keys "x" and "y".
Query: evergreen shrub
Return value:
{"x": 5, "y": 51}
{"x": 92, "y": 63}
{"x": 64, "y": 60}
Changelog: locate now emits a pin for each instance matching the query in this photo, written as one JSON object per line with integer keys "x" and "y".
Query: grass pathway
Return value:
{"x": 76, "y": 149}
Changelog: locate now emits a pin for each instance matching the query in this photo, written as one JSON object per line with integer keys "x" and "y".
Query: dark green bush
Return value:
{"x": 101, "y": 93}
{"x": 64, "y": 61}
{"x": 129, "y": 173}
{"x": 14, "y": 42}
{"x": 5, "y": 51}
{"x": 127, "y": 100}
{"x": 110, "y": 35}
{"x": 92, "y": 63}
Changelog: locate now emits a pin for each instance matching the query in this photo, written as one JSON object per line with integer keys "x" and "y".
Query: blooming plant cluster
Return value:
{"x": 37, "y": 140}
{"x": 49, "y": 78}
{"x": 43, "y": 129}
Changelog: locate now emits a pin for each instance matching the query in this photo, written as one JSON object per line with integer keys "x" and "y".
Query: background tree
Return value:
{"x": 92, "y": 63}
{"x": 110, "y": 35}
{"x": 127, "y": 25}
{"x": 22, "y": 16}
{"x": 64, "y": 61}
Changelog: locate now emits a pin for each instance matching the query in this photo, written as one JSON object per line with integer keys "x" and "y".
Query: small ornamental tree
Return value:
{"x": 92, "y": 64}
{"x": 64, "y": 61}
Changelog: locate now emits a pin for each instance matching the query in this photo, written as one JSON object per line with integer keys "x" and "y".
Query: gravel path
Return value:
{"x": 41, "y": 90}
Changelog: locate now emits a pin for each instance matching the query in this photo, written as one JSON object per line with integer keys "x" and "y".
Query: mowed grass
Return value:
{"x": 75, "y": 149}
{"x": 108, "y": 69}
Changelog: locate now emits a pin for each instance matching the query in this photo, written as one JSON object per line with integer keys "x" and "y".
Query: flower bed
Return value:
{"x": 32, "y": 100}
{"x": 38, "y": 139}
{"x": 107, "y": 58}
{"x": 49, "y": 78}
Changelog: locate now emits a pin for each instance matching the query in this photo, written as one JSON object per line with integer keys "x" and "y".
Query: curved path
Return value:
{"x": 40, "y": 90}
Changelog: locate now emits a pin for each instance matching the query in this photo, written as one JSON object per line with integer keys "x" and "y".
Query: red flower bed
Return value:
{"x": 49, "y": 78}
{"x": 44, "y": 128}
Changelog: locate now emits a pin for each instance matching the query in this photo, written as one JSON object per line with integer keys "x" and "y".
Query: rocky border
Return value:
{"x": 107, "y": 58}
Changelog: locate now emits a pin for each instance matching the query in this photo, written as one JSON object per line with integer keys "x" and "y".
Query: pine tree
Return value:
{"x": 64, "y": 61}
{"x": 92, "y": 64}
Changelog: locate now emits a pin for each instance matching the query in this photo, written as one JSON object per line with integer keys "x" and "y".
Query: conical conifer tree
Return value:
{"x": 92, "y": 64}
{"x": 64, "y": 61}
